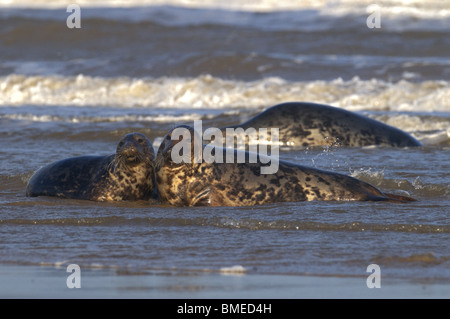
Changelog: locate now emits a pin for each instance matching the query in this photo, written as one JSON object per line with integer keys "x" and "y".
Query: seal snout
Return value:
{"x": 128, "y": 150}
{"x": 130, "y": 153}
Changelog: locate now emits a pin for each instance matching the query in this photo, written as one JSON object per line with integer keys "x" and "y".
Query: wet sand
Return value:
{"x": 50, "y": 282}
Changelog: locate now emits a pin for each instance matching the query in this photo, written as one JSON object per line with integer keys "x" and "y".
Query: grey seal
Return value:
{"x": 201, "y": 183}
{"x": 126, "y": 175}
{"x": 304, "y": 124}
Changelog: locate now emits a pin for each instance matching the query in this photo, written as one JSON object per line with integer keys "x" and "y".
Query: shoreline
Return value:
{"x": 44, "y": 282}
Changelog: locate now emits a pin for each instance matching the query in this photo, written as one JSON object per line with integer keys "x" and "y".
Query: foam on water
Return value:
{"x": 397, "y": 14}
{"x": 419, "y": 108}
{"x": 412, "y": 7}
{"x": 98, "y": 119}
{"x": 211, "y": 92}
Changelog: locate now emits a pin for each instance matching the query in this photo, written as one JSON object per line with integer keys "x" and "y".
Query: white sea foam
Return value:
{"x": 421, "y": 109}
{"x": 398, "y": 6}
{"x": 215, "y": 93}
{"x": 94, "y": 119}
{"x": 234, "y": 270}
{"x": 396, "y": 14}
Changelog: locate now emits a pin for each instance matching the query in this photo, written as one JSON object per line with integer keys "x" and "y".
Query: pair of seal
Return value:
{"x": 126, "y": 175}
{"x": 242, "y": 184}
{"x": 310, "y": 124}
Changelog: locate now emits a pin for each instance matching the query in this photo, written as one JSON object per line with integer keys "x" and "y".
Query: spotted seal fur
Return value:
{"x": 309, "y": 124}
{"x": 242, "y": 184}
{"x": 126, "y": 175}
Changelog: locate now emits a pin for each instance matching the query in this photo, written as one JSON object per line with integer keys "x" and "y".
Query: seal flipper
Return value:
{"x": 399, "y": 198}
{"x": 392, "y": 198}
{"x": 202, "y": 199}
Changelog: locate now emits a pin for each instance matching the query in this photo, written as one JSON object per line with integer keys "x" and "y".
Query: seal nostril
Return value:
{"x": 130, "y": 152}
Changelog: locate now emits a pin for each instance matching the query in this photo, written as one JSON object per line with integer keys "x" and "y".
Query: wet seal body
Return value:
{"x": 242, "y": 184}
{"x": 309, "y": 124}
{"x": 126, "y": 175}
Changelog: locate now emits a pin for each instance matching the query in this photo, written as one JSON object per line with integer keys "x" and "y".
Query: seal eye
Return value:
{"x": 121, "y": 143}
{"x": 140, "y": 140}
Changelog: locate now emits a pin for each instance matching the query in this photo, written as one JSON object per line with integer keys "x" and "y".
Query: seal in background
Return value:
{"x": 309, "y": 124}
